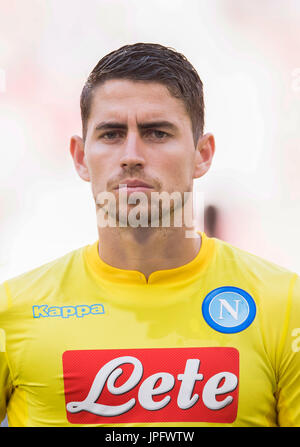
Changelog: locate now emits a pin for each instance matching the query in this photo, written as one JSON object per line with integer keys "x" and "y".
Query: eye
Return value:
{"x": 111, "y": 135}
{"x": 157, "y": 134}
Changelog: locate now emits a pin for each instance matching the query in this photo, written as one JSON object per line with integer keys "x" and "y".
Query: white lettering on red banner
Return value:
{"x": 151, "y": 385}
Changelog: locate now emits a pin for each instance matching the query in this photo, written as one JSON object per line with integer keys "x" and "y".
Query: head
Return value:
{"x": 152, "y": 63}
{"x": 142, "y": 113}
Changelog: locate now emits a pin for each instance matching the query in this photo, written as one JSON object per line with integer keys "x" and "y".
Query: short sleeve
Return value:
{"x": 288, "y": 389}
{"x": 5, "y": 376}
{"x": 5, "y": 380}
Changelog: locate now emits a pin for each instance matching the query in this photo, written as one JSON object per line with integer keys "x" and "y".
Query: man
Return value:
{"x": 154, "y": 324}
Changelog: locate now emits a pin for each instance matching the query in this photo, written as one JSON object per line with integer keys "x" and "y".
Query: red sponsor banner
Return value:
{"x": 151, "y": 385}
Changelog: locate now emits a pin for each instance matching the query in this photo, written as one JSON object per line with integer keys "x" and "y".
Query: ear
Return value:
{"x": 78, "y": 155}
{"x": 205, "y": 150}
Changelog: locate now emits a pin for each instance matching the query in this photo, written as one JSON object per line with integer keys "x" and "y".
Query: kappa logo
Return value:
{"x": 67, "y": 311}
{"x": 111, "y": 386}
{"x": 228, "y": 309}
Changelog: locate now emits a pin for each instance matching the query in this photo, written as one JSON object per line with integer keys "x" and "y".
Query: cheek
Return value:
{"x": 98, "y": 170}
{"x": 176, "y": 169}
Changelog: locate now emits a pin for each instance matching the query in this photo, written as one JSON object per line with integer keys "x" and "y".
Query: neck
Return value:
{"x": 147, "y": 249}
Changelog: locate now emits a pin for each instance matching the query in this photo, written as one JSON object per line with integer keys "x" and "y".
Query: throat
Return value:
{"x": 146, "y": 252}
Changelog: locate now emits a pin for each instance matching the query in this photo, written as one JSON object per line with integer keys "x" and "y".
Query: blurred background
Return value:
{"x": 247, "y": 53}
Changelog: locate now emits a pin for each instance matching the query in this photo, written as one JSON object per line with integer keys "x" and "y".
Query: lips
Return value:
{"x": 133, "y": 183}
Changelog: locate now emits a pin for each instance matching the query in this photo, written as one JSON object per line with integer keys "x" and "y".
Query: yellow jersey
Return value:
{"x": 214, "y": 342}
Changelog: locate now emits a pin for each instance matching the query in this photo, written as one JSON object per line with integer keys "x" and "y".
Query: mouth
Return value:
{"x": 133, "y": 185}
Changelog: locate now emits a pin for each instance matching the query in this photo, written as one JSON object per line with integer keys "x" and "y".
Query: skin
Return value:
{"x": 163, "y": 156}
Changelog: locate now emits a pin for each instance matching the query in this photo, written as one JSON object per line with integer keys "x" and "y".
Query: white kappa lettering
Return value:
{"x": 111, "y": 371}
{"x": 67, "y": 311}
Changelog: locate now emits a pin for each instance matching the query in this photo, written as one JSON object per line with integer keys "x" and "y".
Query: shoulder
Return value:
{"x": 247, "y": 260}
{"x": 269, "y": 282}
{"x": 274, "y": 289}
{"x": 40, "y": 280}
{"x": 248, "y": 263}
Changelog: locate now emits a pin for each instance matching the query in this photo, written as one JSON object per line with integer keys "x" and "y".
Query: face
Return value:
{"x": 139, "y": 135}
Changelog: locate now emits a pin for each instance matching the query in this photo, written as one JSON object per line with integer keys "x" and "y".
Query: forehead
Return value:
{"x": 120, "y": 98}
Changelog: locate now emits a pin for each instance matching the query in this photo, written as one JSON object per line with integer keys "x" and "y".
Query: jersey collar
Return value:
{"x": 180, "y": 274}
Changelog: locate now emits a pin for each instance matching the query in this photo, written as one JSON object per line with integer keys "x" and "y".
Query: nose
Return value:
{"x": 132, "y": 155}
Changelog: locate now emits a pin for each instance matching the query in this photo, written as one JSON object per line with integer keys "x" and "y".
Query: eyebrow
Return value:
{"x": 104, "y": 125}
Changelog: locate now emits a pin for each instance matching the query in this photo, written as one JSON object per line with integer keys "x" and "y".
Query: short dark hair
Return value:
{"x": 149, "y": 62}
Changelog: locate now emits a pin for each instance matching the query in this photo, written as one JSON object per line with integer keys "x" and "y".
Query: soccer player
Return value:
{"x": 154, "y": 324}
